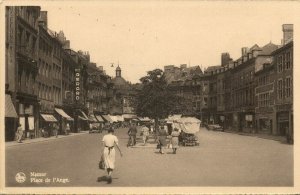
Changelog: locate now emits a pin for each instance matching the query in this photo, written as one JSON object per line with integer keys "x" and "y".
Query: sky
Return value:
{"x": 142, "y": 36}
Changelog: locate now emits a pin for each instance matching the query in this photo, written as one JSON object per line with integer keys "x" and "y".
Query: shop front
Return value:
{"x": 11, "y": 119}
{"x": 47, "y": 122}
{"x": 83, "y": 121}
{"x": 28, "y": 119}
{"x": 64, "y": 120}
{"x": 283, "y": 123}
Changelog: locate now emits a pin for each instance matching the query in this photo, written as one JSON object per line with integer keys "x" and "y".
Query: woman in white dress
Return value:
{"x": 109, "y": 154}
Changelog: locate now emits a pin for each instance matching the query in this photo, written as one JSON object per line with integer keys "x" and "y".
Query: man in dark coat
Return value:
{"x": 132, "y": 133}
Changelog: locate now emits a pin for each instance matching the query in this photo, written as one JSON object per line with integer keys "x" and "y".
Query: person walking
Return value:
{"x": 55, "y": 129}
{"x": 132, "y": 133}
{"x": 162, "y": 139}
{"x": 174, "y": 140}
{"x": 109, "y": 142}
{"x": 67, "y": 129}
{"x": 145, "y": 131}
{"x": 20, "y": 133}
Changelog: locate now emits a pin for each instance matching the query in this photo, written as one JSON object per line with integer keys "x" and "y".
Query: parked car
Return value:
{"x": 215, "y": 127}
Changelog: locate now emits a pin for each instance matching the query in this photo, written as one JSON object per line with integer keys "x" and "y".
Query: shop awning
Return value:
{"x": 63, "y": 114}
{"x": 107, "y": 118}
{"x": 145, "y": 119}
{"x": 120, "y": 118}
{"x": 10, "y": 110}
{"x": 129, "y": 116}
{"x": 49, "y": 117}
{"x": 113, "y": 118}
{"x": 81, "y": 118}
{"x": 84, "y": 115}
{"x": 99, "y": 118}
{"x": 92, "y": 118}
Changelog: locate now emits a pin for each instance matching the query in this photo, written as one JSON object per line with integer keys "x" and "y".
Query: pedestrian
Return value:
{"x": 20, "y": 133}
{"x": 55, "y": 129}
{"x": 109, "y": 154}
{"x": 145, "y": 131}
{"x": 151, "y": 129}
{"x": 132, "y": 133}
{"x": 162, "y": 139}
{"x": 67, "y": 129}
{"x": 174, "y": 140}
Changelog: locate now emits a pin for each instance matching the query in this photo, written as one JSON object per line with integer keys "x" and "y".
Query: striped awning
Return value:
{"x": 10, "y": 110}
{"x": 63, "y": 114}
{"x": 92, "y": 118}
{"x": 49, "y": 117}
{"x": 84, "y": 115}
{"x": 107, "y": 118}
{"x": 81, "y": 118}
{"x": 99, "y": 118}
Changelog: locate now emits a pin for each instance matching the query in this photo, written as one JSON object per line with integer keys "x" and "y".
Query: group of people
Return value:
{"x": 162, "y": 140}
{"x": 110, "y": 141}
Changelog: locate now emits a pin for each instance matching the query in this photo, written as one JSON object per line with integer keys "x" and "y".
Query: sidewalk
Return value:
{"x": 42, "y": 139}
{"x": 278, "y": 138}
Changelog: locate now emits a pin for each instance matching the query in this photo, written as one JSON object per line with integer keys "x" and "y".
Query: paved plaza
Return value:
{"x": 221, "y": 159}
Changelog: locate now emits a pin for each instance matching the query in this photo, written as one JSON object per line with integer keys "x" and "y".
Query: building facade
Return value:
{"x": 21, "y": 65}
{"x": 283, "y": 68}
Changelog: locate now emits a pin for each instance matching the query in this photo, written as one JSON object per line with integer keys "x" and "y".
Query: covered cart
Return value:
{"x": 189, "y": 126}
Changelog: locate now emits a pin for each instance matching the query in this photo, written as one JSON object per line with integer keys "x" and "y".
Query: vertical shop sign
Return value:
{"x": 77, "y": 84}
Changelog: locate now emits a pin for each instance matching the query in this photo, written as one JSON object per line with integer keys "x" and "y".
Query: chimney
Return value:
{"x": 43, "y": 20}
{"x": 225, "y": 59}
{"x": 244, "y": 51}
{"x": 287, "y": 33}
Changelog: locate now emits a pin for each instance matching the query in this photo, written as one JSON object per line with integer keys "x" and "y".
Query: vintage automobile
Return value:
{"x": 215, "y": 127}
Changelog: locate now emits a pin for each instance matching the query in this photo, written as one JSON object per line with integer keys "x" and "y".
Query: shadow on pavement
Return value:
{"x": 103, "y": 178}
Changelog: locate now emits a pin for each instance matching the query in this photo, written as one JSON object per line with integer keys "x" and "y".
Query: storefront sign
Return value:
{"x": 285, "y": 107}
{"x": 249, "y": 117}
{"x": 283, "y": 117}
{"x": 77, "y": 84}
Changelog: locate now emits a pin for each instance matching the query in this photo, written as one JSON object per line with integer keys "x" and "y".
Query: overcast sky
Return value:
{"x": 147, "y": 35}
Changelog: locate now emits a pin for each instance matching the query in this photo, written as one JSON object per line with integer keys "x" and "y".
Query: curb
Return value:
{"x": 41, "y": 139}
{"x": 274, "y": 138}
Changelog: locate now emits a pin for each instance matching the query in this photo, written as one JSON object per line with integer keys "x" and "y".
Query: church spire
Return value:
{"x": 118, "y": 71}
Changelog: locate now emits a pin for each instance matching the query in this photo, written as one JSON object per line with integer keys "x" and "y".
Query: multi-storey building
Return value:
{"x": 21, "y": 65}
{"x": 264, "y": 100}
{"x": 97, "y": 89}
{"x": 243, "y": 85}
{"x": 283, "y": 84}
{"x": 44, "y": 80}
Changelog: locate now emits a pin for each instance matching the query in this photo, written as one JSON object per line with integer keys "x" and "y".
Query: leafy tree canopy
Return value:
{"x": 156, "y": 100}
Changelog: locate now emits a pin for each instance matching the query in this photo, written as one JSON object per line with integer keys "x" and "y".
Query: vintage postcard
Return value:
{"x": 148, "y": 97}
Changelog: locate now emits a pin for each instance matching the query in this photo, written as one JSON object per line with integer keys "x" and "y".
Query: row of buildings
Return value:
{"x": 46, "y": 81}
{"x": 253, "y": 93}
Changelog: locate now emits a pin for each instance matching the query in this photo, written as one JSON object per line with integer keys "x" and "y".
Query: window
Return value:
{"x": 288, "y": 87}
{"x": 39, "y": 90}
{"x": 279, "y": 63}
{"x": 40, "y": 65}
{"x": 280, "y": 93}
{"x": 33, "y": 44}
{"x": 26, "y": 80}
{"x": 288, "y": 60}
{"x": 264, "y": 100}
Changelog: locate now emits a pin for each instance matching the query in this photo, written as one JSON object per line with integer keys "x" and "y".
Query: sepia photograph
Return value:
{"x": 169, "y": 94}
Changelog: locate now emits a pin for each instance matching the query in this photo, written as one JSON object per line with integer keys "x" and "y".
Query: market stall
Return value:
{"x": 188, "y": 126}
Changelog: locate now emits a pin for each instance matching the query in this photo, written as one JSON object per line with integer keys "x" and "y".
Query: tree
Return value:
{"x": 156, "y": 100}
